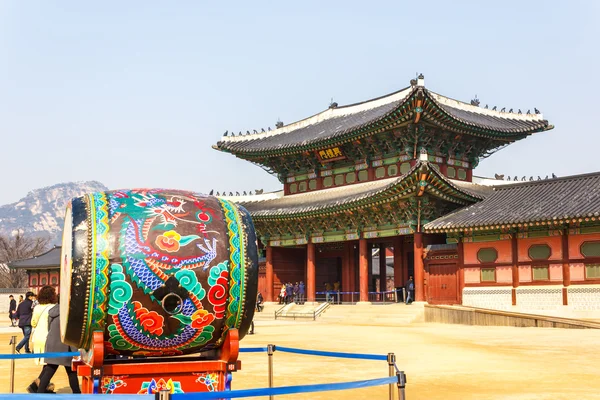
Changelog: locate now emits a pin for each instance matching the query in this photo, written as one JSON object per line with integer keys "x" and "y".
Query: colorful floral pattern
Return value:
{"x": 168, "y": 241}
{"x": 112, "y": 383}
{"x": 151, "y": 321}
{"x": 211, "y": 380}
{"x": 154, "y": 386}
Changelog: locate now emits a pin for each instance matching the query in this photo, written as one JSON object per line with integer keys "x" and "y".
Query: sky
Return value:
{"x": 134, "y": 94}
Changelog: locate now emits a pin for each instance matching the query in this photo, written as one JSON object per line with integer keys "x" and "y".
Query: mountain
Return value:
{"x": 41, "y": 212}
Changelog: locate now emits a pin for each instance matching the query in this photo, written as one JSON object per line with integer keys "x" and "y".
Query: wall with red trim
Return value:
{"x": 576, "y": 241}
{"x": 502, "y": 246}
{"x": 555, "y": 243}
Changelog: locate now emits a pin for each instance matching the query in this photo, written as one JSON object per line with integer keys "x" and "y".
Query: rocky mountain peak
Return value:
{"x": 41, "y": 212}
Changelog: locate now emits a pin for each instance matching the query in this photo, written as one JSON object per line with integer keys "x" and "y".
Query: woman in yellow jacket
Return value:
{"x": 39, "y": 321}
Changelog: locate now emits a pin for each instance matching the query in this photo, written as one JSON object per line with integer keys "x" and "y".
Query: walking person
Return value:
{"x": 39, "y": 323}
{"x": 23, "y": 314}
{"x": 259, "y": 302}
{"x": 39, "y": 320}
{"x": 12, "y": 309}
{"x": 54, "y": 345}
{"x": 410, "y": 290}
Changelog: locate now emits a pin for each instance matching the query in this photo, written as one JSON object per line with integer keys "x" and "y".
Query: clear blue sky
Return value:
{"x": 133, "y": 94}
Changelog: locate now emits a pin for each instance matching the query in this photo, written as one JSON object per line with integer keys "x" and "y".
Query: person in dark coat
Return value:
{"x": 289, "y": 293}
{"x": 296, "y": 293}
{"x": 410, "y": 290}
{"x": 301, "y": 292}
{"x": 12, "y": 309}
{"x": 23, "y": 314}
{"x": 54, "y": 345}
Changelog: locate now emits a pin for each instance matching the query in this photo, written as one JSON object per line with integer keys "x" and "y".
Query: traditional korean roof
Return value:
{"x": 553, "y": 201}
{"x": 351, "y": 197}
{"x": 49, "y": 259}
{"x": 339, "y": 125}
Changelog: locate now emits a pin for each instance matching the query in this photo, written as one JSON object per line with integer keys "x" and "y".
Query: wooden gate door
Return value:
{"x": 442, "y": 285}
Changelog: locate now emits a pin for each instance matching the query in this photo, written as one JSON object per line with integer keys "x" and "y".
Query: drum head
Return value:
{"x": 65, "y": 271}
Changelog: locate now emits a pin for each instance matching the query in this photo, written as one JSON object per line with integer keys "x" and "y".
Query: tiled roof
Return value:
{"x": 480, "y": 191}
{"x": 489, "y": 119}
{"x": 49, "y": 259}
{"x": 328, "y": 124}
{"x": 340, "y": 121}
{"x": 319, "y": 199}
{"x": 558, "y": 199}
{"x": 349, "y": 195}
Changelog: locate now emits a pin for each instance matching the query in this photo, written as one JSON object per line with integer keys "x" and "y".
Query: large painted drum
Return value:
{"x": 160, "y": 272}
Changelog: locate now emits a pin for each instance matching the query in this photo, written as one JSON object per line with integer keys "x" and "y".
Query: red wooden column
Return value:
{"x": 310, "y": 273}
{"x": 461, "y": 269}
{"x": 515, "y": 268}
{"x": 269, "y": 274}
{"x": 419, "y": 268}
{"x": 566, "y": 267}
{"x": 363, "y": 270}
{"x": 382, "y": 269}
{"x": 346, "y": 270}
{"x": 370, "y": 266}
{"x": 352, "y": 267}
{"x": 398, "y": 262}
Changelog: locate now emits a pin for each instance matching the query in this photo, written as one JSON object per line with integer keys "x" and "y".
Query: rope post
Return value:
{"x": 13, "y": 342}
{"x": 391, "y": 359}
{"x": 270, "y": 351}
{"x": 401, "y": 385}
{"x": 163, "y": 394}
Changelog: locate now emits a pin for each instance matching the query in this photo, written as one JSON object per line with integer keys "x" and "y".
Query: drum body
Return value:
{"x": 160, "y": 272}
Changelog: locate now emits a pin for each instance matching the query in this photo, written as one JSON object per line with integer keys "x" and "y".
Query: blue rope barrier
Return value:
{"x": 71, "y": 396}
{"x": 377, "y": 357}
{"x": 253, "y": 350}
{"x": 38, "y": 355}
{"x": 323, "y": 387}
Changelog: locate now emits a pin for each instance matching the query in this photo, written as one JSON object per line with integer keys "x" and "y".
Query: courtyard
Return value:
{"x": 440, "y": 361}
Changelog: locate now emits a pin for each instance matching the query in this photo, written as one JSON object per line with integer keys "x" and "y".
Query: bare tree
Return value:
{"x": 19, "y": 247}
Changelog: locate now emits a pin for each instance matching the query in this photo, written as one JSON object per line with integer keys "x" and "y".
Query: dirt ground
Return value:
{"x": 440, "y": 361}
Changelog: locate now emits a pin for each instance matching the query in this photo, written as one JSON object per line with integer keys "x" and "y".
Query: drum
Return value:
{"x": 160, "y": 272}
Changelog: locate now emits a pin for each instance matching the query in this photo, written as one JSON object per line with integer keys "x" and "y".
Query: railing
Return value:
{"x": 396, "y": 379}
{"x": 281, "y": 313}
{"x": 387, "y": 297}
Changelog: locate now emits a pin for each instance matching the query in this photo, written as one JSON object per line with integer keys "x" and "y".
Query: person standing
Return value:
{"x": 296, "y": 293}
{"x": 23, "y": 314}
{"x": 12, "y": 309}
{"x": 289, "y": 293}
{"x": 301, "y": 291}
{"x": 54, "y": 345}
{"x": 336, "y": 290}
{"x": 282, "y": 294}
{"x": 410, "y": 290}
{"x": 34, "y": 301}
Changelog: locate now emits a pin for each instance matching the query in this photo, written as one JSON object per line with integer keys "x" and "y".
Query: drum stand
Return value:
{"x": 207, "y": 372}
